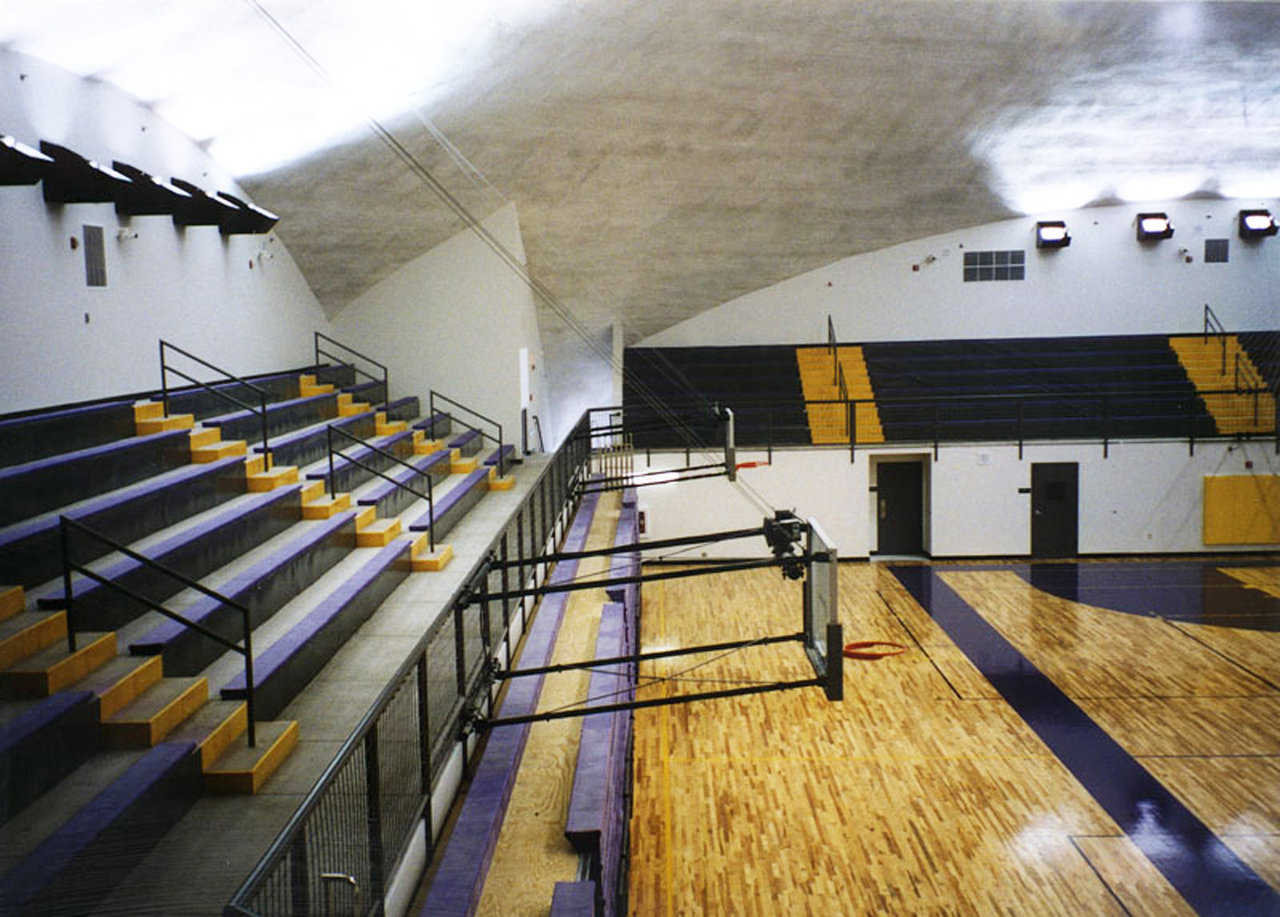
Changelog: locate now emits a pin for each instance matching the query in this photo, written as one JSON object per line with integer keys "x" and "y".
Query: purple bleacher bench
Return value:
{"x": 285, "y": 667}
{"x": 80, "y": 862}
{"x": 574, "y": 899}
{"x": 264, "y": 588}
{"x": 446, "y": 511}
{"x": 436, "y": 426}
{"x": 391, "y": 498}
{"x": 459, "y": 880}
{"x": 467, "y": 443}
{"x": 43, "y": 744}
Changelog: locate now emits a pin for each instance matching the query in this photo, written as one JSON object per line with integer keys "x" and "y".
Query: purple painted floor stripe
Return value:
{"x": 1204, "y": 870}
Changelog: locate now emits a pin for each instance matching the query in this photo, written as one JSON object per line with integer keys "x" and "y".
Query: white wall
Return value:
{"x": 1145, "y": 497}
{"x": 1104, "y": 283}
{"x": 190, "y": 286}
{"x": 454, "y": 320}
{"x": 581, "y": 378}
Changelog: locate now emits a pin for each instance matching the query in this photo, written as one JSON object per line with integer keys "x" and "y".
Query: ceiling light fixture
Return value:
{"x": 1154, "y": 226}
{"x": 1255, "y": 224}
{"x": 1052, "y": 234}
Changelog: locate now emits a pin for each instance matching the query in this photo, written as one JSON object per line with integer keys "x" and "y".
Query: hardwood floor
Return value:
{"x": 925, "y": 790}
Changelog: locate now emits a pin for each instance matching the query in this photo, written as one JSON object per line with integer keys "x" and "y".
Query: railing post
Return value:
{"x": 850, "y": 420}
{"x": 431, "y": 517}
{"x": 1019, "y": 429}
{"x": 424, "y": 746}
{"x": 373, "y": 797}
{"x": 250, "y": 706}
{"x": 300, "y": 872}
{"x": 164, "y": 382}
{"x": 502, "y": 459}
{"x": 315, "y": 340}
{"x": 68, "y": 601}
{"x": 266, "y": 447}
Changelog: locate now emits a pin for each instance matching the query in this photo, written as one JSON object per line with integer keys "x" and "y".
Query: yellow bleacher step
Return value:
{"x": 427, "y": 446}
{"x": 156, "y": 712}
{"x": 164, "y": 424}
{"x": 204, "y": 436}
{"x": 119, "y": 681}
{"x": 27, "y": 633}
{"x": 312, "y": 490}
{"x": 387, "y": 428}
{"x": 366, "y": 517}
{"x": 459, "y": 465}
{"x": 53, "y": 669}
{"x": 244, "y": 770}
{"x": 308, "y": 386}
{"x": 422, "y": 562}
{"x": 258, "y": 463}
{"x": 213, "y": 727}
{"x": 493, "y": 482}
{"x": 12, "y": 600}
{"x": 220, "y": 450}
{"x": 326, "y": 507}
{"x": 377, "y": 534}
{"x": 279, "y": 476}
{"x": 147, "y": 410}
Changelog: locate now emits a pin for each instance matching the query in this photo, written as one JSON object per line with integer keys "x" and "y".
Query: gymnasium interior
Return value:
{"x": 592, "y": 457}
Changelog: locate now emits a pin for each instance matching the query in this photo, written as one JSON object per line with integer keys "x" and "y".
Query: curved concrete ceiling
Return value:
{"x": 668, "y": 155}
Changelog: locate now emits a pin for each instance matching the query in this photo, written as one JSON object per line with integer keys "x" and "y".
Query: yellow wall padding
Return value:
{"x": 1242, "y": 509}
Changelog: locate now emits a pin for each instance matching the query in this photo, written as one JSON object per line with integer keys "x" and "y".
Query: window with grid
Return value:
{"x": 1004, "y": 265}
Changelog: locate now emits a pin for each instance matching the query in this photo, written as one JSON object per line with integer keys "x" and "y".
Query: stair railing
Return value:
{"x": 834, "y": 350}
{"x": 383, "y": 376}
{"x": 66, "y": 525}
{"x": 1212, "y": 325}
{"x": 428, "y": 496}
{"x": 444, "y": 399}
{"x": 165, "y": 369}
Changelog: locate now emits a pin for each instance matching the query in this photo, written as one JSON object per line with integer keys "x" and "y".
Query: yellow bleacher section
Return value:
{"x": 1202, "y": 358}
{"x": 828, "y": 423}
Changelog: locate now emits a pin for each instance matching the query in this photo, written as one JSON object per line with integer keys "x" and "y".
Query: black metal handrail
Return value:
{"x": 537, "y": 426}
{"x": 281, "y": 882}
{"x": 321, "y": 352}
{"x": 165, "y": 369}
{"x": 428, "y": 496}
{"x": 1213, "y": 325}
{"x": 834, "y": 349}
{"x": 502, "y": 467}
{"x": 68, "y": 566}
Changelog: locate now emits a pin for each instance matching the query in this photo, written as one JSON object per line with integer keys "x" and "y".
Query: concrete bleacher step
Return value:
{"x": 204, "y": 436}
{"x": 41, "y": 742}
{"x": 213, "y": 728}
{"x": 310, "y": 443}
{"x": 155, "y": 712}
{"x": 279, "y": 476}
{"x": 422, "y": 560}
{"x": 244, "y": 770}
{"x": 54, "y": 668}
{"x": 326, "y": 507}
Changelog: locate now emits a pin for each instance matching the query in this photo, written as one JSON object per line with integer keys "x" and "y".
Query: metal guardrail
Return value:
{"x": 363, "y": 812}
{"x": 428, "y": 496}
{"x": 165, "y": 369}
{"x": 66, "y": 525}
{"x": 445, "y": 399}
{"x": 383, "y": 376}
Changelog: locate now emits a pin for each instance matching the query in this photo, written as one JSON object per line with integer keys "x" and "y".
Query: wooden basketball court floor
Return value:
{"x": 1104, "y": 742}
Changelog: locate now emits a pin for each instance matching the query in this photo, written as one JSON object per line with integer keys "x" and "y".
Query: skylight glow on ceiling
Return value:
{"x": 222, "y": 74}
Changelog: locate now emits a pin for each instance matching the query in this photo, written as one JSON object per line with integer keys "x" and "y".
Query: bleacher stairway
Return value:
{"x": 107, "y": 744}
{"x": 1228, "y": 382}
{"x": 829, "y": 423}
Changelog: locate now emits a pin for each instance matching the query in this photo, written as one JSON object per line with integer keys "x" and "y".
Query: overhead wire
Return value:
{"x": 508, "y": 258}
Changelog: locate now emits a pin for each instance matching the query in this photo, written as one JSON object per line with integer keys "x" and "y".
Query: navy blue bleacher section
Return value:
{"x": 30, "y": 551}
{"x": 402, "y": 408}
{"x": 44, "y": 484}
{"x": 194, "y": 552}
{"x": 282, "y": 416}
{"x": 459, "y": 880}
{"x": 264, "y": 589}
{"x": 447, "y": 510}
{"x": 284, "y": 668}
{"x": 1263, "y": 348}
{"x": 203, "y": 403}
{"x": 43, "y": 744}
{"x": 761, "y": 384}
{"x": 73, "y": 868}
{"x": 369, "y": 392}
{"x": 1002, "y": 389}
{"x": 437, "y": 426}
{"x": 28, "y": 437}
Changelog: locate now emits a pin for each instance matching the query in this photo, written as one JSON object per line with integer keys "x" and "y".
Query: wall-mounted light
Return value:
{"x": 1052, "y": 234}
{"x": 20, "y": 164}
{"x": 1254, "y": 224}
{"x": 75, "y": 180}
{"x": 1154, "y": 226}
{"x": 248, "y": 218}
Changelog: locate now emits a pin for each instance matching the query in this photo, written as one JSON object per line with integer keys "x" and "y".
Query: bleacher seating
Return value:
{"x": 244, "y": 527}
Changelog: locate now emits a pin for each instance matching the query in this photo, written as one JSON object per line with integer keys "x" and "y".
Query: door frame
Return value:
{"x": 924, "y": 460}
